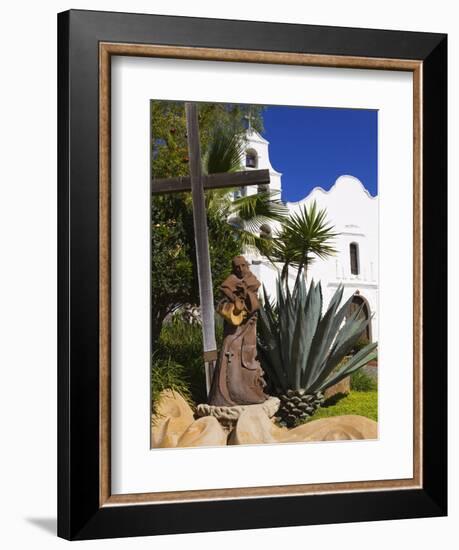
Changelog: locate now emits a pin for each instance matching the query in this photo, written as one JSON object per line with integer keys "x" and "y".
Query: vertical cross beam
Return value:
{"x": 206, "y": 295}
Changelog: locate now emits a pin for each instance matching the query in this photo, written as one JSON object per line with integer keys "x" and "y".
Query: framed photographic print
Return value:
{"x": 252, "y": 274}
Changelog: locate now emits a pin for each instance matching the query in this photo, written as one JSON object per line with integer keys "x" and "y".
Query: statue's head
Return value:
{"x": 240, "y": 266}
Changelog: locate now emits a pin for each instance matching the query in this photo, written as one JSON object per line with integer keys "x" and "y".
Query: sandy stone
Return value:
{"x": 174, "y": 426}
{"x": 371, "y": 369}
{"x": 204, "y": 432}
{"x": 255, "y": 427}
{"x": 173, "y": 416}
{"x": 336, "y": 428}
{"x": 344, "y": 386}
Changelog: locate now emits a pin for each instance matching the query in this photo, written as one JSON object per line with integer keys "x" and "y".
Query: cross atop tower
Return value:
{"x": 249, "y": 119}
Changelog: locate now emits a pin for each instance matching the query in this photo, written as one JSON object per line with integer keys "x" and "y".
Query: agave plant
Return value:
{"x": 304, "y": 352}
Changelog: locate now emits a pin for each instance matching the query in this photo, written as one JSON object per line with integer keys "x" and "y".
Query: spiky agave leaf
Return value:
{"x": 339, "y": 342}
{"x": 283, "y": 329}
{"x": 269, "y": 307}
{"x": 322, "y": 337}
{"x": 270, "y": 345}
{"x": 312, "y": 313}
{"x": 347, "y": 336}
{"x": 357, "y": 361}
{"x": 353, "y": 329}
{"x": 303, "y": 348}
{"x": 298, "y": 344}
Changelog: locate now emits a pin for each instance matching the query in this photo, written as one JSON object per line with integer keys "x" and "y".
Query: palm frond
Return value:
{"x": 248, "y": 213}
{"x": 259, "y": 208}
{"x": 224, "y": 153}
{"x": 218, "y": 201}
{"x": 252, "y": 243}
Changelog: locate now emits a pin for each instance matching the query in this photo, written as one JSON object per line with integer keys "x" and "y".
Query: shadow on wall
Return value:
{"x": 45, "y": 524}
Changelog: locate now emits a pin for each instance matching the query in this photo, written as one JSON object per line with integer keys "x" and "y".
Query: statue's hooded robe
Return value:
{"x": 238, "y": 377}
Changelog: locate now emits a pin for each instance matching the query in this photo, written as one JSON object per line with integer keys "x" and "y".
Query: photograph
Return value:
{"x": 264, "y": 274}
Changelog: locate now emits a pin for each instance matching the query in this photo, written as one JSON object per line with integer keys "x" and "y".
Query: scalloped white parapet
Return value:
{"x": 354, "y": 214}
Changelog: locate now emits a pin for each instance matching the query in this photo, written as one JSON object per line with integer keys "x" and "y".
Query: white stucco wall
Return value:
{"x": 354, "y": 214}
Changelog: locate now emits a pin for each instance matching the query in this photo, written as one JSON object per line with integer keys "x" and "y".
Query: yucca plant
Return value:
{"x": 304, "y": 236}
{"x": 304, "y": 352}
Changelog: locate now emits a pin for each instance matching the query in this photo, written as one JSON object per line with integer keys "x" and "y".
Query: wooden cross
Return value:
{"x": 196, "y": 183}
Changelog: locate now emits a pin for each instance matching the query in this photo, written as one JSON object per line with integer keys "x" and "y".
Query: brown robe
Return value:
{"x": 238, "y": 377}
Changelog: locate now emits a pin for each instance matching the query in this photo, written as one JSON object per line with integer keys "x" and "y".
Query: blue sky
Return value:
{"x": 314, "y": 146}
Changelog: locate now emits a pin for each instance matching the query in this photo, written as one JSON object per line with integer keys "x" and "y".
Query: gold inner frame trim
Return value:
{"x": 106, "y": 50}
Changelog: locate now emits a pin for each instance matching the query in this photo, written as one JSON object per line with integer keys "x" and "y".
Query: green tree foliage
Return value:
{"x": 180, "y": 347}
{"x": 168, "y": 128}
{"x": 174, "y": 271}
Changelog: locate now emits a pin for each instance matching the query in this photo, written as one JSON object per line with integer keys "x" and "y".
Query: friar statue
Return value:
{"x": 238, "y": 377}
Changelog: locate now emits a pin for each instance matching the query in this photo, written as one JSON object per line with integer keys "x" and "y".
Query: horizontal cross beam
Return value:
{"x": 212, "y": 181}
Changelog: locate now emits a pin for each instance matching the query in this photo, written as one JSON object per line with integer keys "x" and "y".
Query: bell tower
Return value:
{"x": 256, "y": 157}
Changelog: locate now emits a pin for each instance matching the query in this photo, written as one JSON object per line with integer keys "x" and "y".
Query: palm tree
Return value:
{"x": 245, "y": 214}
{"x": 303, "y": 236}
{"x": 173, "y": 238}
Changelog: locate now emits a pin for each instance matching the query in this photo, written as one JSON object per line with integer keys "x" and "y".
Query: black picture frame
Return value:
{"x": 80, "y": 515}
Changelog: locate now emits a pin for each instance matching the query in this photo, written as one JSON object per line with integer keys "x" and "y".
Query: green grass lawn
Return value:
{"x": 364, "y": 403}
